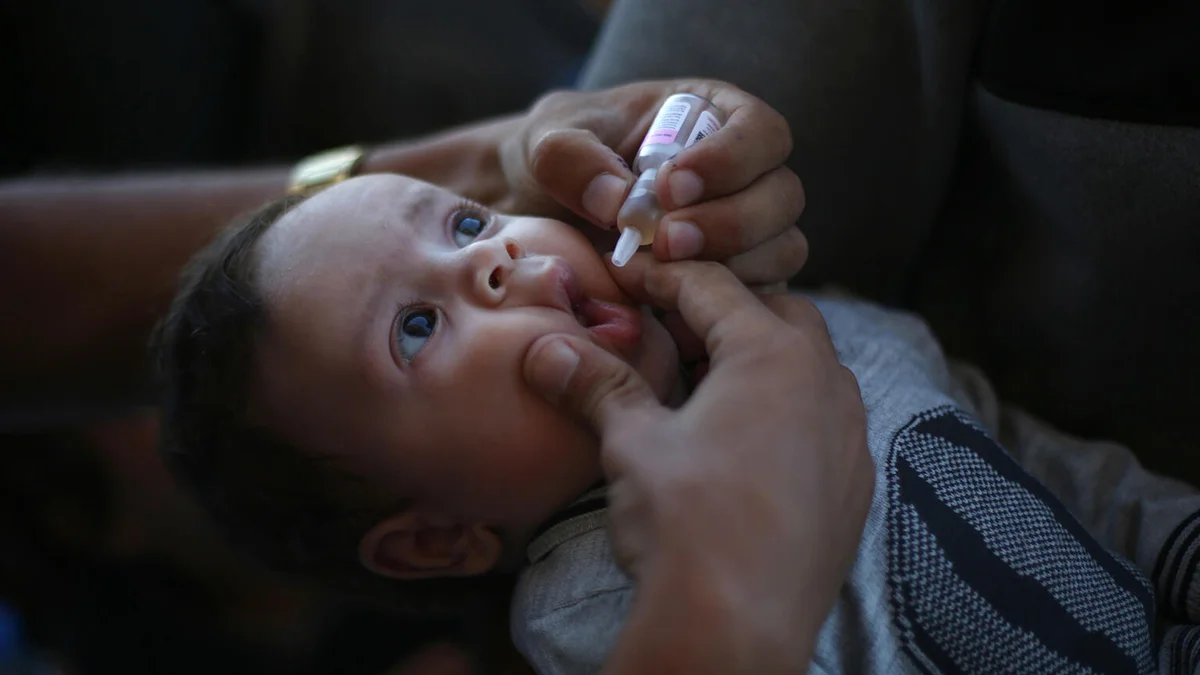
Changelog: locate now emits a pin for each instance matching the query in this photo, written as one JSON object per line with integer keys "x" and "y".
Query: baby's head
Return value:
{"x": 345, "y": 390}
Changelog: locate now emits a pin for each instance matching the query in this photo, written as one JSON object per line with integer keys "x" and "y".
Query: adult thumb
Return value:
{"x": 586, "y": 381}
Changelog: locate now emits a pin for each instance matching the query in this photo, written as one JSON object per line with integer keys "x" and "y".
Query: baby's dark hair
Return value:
{"x": 282, "y": 504}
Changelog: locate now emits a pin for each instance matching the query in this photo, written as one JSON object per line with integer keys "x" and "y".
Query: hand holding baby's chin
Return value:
{"x": 774, "y": 438}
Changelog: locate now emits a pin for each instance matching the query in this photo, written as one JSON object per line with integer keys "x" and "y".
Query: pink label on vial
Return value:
{"x": 667, "y": 123}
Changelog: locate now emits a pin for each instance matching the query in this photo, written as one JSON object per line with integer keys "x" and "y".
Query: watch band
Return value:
{"x": 325, "y": 168}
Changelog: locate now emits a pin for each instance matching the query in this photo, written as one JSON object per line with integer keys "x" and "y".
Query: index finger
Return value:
{"x": 717, "y": 307}
{"x": 754, "y": 140}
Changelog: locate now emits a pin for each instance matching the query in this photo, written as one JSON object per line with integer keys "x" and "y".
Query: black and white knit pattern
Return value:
{"x": 990, "y": 574}
{"x": 1180, "y": 652}
{"x": 1176, "y": 583}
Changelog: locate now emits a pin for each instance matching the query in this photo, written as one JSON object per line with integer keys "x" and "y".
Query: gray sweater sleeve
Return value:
{"x": 967, "y": 563}
{"x": 1148, "y": 518}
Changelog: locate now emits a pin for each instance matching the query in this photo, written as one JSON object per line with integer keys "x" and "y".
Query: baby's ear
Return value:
{"x": 410, "y": 545}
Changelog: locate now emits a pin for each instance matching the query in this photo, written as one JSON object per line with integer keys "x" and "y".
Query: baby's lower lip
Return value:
{"x": 616, "y": 326}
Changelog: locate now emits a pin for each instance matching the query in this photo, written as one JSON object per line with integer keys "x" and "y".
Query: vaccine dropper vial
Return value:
{"x": 682, "y": 120}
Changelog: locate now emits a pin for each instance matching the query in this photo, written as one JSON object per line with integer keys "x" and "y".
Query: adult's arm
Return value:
{"x": 720, "y": 509}
{"x": 96, "y": 259}
{"x": 88, "y": 264}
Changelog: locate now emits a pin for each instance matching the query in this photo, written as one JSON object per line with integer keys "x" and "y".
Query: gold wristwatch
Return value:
{"x": 325, "y": 168}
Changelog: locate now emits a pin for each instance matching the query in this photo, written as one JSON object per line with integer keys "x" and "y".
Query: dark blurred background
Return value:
{"x": 104, "y": 567}
{"x": 136, "y": 83}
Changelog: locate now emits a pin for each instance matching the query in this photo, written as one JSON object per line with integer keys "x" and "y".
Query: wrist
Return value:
{"x": 464, "y": 160}
{"x": 688, "y": 618}
{"x": 757, "y": 626}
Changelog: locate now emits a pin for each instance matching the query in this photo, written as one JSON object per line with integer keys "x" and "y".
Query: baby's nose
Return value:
{"x": 492, "y": 263}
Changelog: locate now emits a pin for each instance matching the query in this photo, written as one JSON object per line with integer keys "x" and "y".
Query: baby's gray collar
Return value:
{"x": 583, "y": 515}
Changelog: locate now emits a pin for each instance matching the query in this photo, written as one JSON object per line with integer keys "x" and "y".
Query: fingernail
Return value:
{"x": 602, "y": 198}
{"x": 686, "y": 187}
{"x": 684, "y": 240}
{"x": 553, "y": 366}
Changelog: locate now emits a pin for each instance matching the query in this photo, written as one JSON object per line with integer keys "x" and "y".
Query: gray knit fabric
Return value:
{"x": 967, "y": 563}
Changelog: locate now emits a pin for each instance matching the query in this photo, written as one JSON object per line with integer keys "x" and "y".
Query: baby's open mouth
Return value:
{"x": 577, "y": 309}
{"x": 592, "y": 313}
{"x": 614, "y": 326}
{"x": 583, "y": 320}
{"x": 610, "y": 324}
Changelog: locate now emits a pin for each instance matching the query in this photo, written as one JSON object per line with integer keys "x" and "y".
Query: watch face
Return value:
{"x": 326, "y": 167}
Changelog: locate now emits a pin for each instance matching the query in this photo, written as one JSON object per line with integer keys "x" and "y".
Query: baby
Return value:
{"x": 344, "y": 393}
{"x": 345, "y": 389}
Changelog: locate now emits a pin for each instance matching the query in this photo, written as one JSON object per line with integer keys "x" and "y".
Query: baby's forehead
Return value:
{"x": 344, "y": 222}
{"x": 322, "y": 270}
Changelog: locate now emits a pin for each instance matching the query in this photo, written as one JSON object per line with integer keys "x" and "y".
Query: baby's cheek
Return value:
{"x": 551, "y": 461}
{"x": 545, "y": 236}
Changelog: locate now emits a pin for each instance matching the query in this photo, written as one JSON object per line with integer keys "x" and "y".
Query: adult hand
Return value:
{"x": 749, "y": 500}
{"x": 729, "y": 198}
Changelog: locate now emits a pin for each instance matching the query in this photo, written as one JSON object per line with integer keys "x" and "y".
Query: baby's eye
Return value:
{"x": 414, "y": 330}
{"x": 468, "y": 225}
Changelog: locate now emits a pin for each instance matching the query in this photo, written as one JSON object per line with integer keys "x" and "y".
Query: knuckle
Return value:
{"x": 616, "y": 386}
{"x": 794, "y": 252}
{"x": 542, "y": 148}
{"x": 683, "y": 272}
{"x": 754, "y": 267}
{"x": 709, "y": 88}
{"x": 793, "y": 197}
{"x": 713, "y": 159}
{"x": 768, "y": 356}
{"x": 660, "y": 278}
{"x": 553, "y": 100}
{"x": 707, "y": 268}
{"x": 707, "y": 272}
{"x": 778, "y": 304}
{"x": 749, "y": 224}
{"x": 779, "y": 127}
{"x": 547, "y": 148}
{"x": 638, "y": 429}
{"x": 804, "y": 315}
{"x": 773, "y": 261}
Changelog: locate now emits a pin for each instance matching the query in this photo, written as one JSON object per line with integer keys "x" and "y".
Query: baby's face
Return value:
{"x": 399, "y": 316}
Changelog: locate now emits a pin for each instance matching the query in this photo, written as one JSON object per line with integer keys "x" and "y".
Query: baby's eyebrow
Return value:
{"x": 418, "y": 210}
{"x": 365, "y": 322}
{"x": 417, "y": 215}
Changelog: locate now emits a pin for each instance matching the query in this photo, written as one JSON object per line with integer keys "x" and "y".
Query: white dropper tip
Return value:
{"x": 627, "y": 245}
